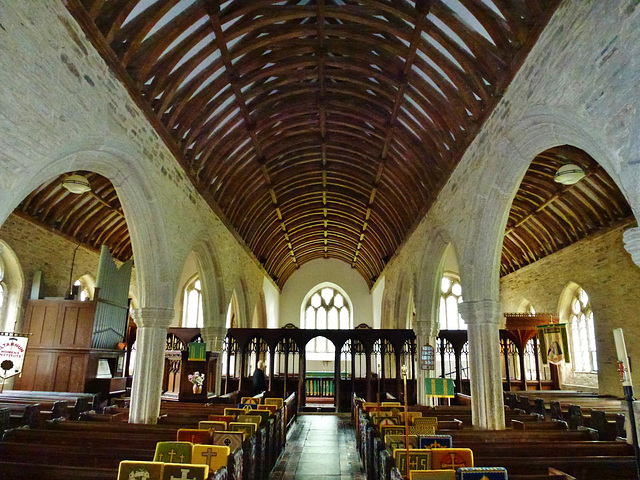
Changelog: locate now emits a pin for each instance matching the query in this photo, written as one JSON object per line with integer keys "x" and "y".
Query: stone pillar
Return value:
{"x": 214, "y": 338}
{"x": 631, "y": 239}
{"x": 426, "y": 333}
{"x": 487, "y": 401}
{"x": 150, "y": 347}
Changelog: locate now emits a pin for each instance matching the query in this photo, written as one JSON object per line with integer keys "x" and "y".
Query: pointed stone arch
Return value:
{"x": 13, "y": 282}
{"x": 142, "y": 209}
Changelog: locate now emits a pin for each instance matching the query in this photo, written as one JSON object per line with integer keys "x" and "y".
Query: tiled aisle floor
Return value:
{"x": 322, "y": 447}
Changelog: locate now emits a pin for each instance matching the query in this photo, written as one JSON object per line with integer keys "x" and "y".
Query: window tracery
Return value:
{"x": 450, "y": 298}
{"x": 192, "y": 315}
{"x": 326, "y": 308}
{"x": 583, "y": 333}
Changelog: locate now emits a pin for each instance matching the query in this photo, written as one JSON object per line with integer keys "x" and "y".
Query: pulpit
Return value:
{"x": 190, "y": 371}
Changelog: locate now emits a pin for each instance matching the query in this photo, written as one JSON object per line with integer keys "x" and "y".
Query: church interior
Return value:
{"x": 319, "y": 239}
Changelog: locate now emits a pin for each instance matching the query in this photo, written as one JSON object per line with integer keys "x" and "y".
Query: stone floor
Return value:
{"x": 321, "y": 447}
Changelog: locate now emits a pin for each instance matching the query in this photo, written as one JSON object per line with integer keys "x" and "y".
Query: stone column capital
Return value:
{"x": 631, "y": 240}
{"x": 214, "y": 337}
{"x": 153, "y": 317}
{"x": 480, "y": 312}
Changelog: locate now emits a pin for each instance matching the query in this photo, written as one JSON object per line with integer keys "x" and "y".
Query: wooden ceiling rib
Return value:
{"x": 546, "y": 216}
{"x": 319, "y": 128}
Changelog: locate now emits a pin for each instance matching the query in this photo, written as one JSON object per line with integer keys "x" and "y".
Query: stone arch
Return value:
{"x": 146, "y": 225}
{"x": 404, "y": 301}
{"x": 427, "y": 296}
{"x": 243, "y": 313}
{"x": 543, "y": 128}
{"x": 386, "y": 315}
{"x": 525, "y": 306}
{"x": 259, "y": 319}
{"x": 12, "y": 276}
{"x": 210, "y": 273}
{"x": 88, "y": 282}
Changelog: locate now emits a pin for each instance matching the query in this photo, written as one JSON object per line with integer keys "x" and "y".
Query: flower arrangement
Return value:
{"x": 196, "y": 378}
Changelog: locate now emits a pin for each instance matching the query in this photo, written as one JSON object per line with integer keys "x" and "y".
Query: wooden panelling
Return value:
{"x": 59, "y": 349}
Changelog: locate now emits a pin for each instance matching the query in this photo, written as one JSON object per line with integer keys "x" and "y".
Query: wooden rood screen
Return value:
{"x": 365, "y": 361}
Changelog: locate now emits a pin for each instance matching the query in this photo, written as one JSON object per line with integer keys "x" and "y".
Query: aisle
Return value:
{"x": 322, "y": 447}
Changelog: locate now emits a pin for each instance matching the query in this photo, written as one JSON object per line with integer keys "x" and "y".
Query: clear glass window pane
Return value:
{"x": 452, "y": 313}
{"x": 310, "y": 318}
{"x": 338, "y": 301}
{"x": 315, "y": 300}
{"x": 327, "y": 295}
{"x": 321, "y": 318}
{"x": 456, "y": 289}
{"x": 333, "y": 318}
{"x": 446, "y": 283}
{"x": 443, "y": 315}
{"x": 344, "y": 319}
{"x": 576, "y": 307}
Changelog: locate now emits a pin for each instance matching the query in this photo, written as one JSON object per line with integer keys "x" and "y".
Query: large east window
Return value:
{"x": 192, "y": 316}
{"x": 450, "y": 298}
{"x": 583, "y": 333}
{"x": 326, "y": 308}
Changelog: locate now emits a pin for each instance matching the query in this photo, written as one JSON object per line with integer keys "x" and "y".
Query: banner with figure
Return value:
{"x": 554, "y": 344}
{"x": 12, "y": 349}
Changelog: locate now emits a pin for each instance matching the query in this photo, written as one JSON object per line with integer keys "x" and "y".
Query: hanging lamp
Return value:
{"x": 76, "y": 184}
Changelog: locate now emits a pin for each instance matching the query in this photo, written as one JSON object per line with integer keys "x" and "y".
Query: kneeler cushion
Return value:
{"x": 215, "y": 456}
{"x": 248, "y": 428}
{"x": 432, "y": 475}
{"x": 435, "y": 441}
{"x": 232, "y": 440}
{"x": 250, "y": 419}
{"x": 248, "y": 406}
{"x": 173, "y": 452}
{"x": 222, "y": 418}
{"x": 234, "y": 412}
{"x": 212, "y": 425}
{"x": 270, "y": 408}
{"x": 257, "y": 401}
{"x": 278, "y": 402}
{"x": 482, "y": 473}
{"x": 129, "y": 470}
{"x": 263, "y": 414}
{"x": 397, "y": 441}
{"x": 187, "y": 471}
{"x": 451, "y": 458}
{"x": 418, "y": 460}
{"x": 194, "y": 435}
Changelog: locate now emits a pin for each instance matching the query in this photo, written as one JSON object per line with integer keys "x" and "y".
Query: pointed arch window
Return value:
{"x": 4, "y": 293}
{"x": 326, "y": 308}
{"x": 583, "y": 333}
{"x": 450, "y": 298}
{"x": 84, "y": 293}
{"x": 192, "y": 316}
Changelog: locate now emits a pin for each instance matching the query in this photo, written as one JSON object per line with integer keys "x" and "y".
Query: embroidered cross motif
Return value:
{"x": 209, "y": 454}
{"x": 451, "y": 463}
{"x": 184, "y": 472}
{"x": 172, "y": 453}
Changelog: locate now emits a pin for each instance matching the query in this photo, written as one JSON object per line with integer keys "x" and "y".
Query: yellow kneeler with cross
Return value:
{"x": 213, "y": 455}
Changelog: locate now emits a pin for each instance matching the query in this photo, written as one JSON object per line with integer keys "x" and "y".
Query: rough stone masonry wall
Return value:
{"x": 38, "y": 249}
{"x": 605, "y": 270}
{"x": 59, "y": 100}
{"x": 578, "y": 86}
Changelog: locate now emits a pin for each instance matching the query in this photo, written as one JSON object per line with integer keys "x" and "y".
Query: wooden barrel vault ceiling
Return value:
{"x": 318, "y": 128}
{"x": 546, "y": 216}
{"x": 94, "y": 218}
